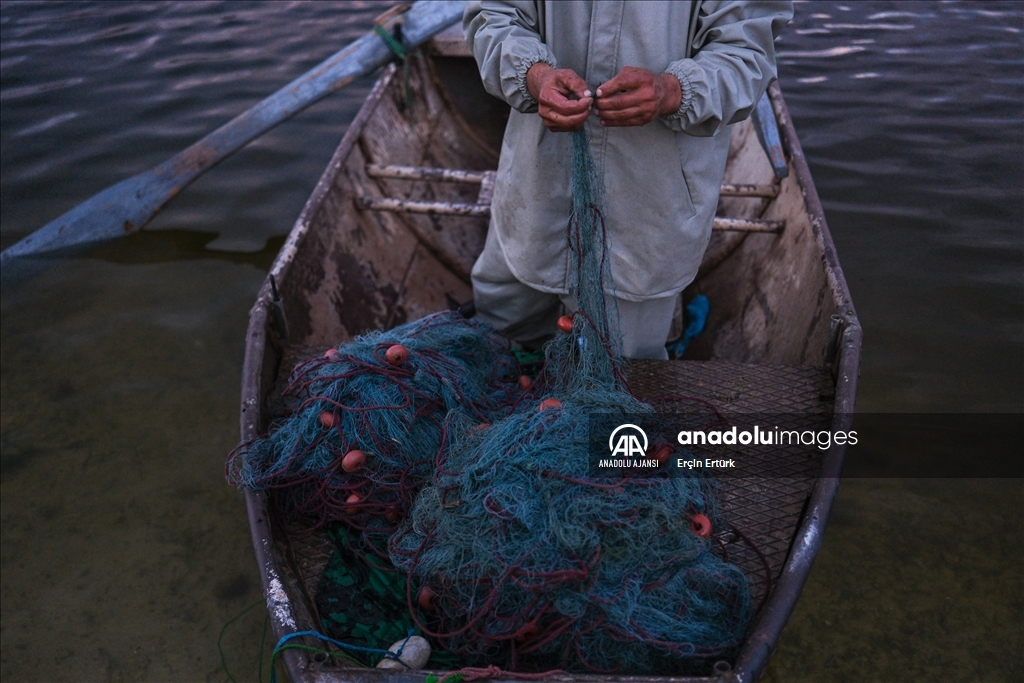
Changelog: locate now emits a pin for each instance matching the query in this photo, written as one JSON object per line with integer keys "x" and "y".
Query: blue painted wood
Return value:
{"x": 130, "y": 204}
{"x": 768, "y": 134}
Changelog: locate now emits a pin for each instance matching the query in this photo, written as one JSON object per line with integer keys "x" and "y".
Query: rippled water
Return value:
{"x": 123, "y": 552}
{"x": 912, "y": 117}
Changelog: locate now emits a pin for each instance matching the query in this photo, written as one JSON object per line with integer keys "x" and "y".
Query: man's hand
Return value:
{"x": 634, "y": 96}
{"x": 562, "y": 97}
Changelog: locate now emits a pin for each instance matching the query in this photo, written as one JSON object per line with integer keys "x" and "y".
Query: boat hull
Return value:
{"x": 783, "y": 326}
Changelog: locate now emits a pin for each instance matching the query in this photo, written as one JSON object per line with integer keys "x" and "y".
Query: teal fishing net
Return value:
{"x": 383, "y": 397}
{"x": 475, "y": 495}
{"x": 526, "y": 559}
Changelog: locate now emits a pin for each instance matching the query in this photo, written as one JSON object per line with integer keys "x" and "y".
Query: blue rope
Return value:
{"x": 388, "y": 654}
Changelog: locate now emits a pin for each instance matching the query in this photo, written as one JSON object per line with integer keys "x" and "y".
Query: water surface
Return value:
{"x": 124, "y": 553}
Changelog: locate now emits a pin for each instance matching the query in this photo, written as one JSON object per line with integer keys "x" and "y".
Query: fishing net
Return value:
{"x": 362, "y": 603}
{"x": 463, "y": 503}
{"x": 523, "y": 557}
{"x": 368, "y": 422}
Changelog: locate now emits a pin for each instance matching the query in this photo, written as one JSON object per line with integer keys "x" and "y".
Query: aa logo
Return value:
{"x": 628, "y": 441}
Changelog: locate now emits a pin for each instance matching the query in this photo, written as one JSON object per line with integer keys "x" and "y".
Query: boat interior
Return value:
{"x": 395, "y": 224}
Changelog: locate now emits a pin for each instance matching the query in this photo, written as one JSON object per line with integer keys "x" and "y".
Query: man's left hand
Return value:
{"x": 635, "y": 96}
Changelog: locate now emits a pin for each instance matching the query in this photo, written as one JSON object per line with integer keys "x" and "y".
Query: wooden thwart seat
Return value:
{"x": 485, "y": 179}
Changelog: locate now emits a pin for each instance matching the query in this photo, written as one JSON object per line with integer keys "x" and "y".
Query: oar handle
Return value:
{"x": 768, "y": 135}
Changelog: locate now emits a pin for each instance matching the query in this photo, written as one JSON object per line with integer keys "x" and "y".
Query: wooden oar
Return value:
{"x": 767, "y": 128}
{"x": 130, "y": 204}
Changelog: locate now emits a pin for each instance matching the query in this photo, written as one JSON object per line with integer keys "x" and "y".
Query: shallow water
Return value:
{"x": 124, "y": 553}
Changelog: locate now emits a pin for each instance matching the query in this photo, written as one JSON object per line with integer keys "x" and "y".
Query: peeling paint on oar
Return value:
{"x": 130, "y": 204}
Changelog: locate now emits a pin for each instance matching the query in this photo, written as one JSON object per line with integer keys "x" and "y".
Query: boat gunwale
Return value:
{"x": 757, "y": 650}
{"x": 268, "y": 556}
{"x": 806, "y": 541}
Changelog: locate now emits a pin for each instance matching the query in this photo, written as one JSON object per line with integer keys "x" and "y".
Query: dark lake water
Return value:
{"x": 124, "y": 553}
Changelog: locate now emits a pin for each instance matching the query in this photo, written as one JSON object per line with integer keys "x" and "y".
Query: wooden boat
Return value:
{"x": 390, "y": 233}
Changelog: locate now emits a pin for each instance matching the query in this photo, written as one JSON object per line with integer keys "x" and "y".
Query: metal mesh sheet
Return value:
{"x": 764, "y": 508}
{"x": 735, "y": 387}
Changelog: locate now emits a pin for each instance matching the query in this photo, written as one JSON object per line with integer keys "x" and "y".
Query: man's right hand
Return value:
{"x": 563, "y": 98}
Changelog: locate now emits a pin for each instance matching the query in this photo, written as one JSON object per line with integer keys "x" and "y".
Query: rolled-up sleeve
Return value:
{"x": 733, "y": 64}
{"x": 506, "y": 40}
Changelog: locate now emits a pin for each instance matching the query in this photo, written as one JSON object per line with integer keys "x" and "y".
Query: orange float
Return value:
{"x": 353, "y": 460}
{"x": 700, "y": 525}
{"x": 528, "y": 632}
{"x": 352, "y": 508}
{"x": 549, "y": 404}
{"x": 397, "y": 354}
{"x": 426, "y": 599}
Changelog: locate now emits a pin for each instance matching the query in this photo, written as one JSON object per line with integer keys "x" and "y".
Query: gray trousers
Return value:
{"x": 529, "y": 315}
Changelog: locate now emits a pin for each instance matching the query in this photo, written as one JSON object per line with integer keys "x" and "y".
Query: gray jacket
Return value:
{"x": 661, "y": 180}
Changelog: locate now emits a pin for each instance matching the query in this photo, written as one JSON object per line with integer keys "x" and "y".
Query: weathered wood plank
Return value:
{"x": 748, "y": 225}
{"x": 414, "y": 206}
{"x": 450, "y": 175}
{"x": 746, "y": 190}
{"x": 484, "y": 210}
{"x": 487, "y": 188}
{"x": 453, "y": 175}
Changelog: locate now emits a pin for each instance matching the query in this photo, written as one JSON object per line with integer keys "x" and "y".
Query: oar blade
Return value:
{"x": 127, "y": 206}
{"x": 117, "y": 211}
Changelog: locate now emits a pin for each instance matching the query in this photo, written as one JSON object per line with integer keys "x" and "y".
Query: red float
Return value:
{"x": 353, "y": 460}
{"x": 700, "y": 525}
{"x": 565, "y": 323}
{"x": 397, "y": 354}
{"x": 327, "y": 419}
{"x": 332, "y": 354}
{"x": 525, "y": 382}
{"x": 528, "y": 632}
{"x": 549, "y": 404}
{"x": 426, "y": 599}
{"x": 352, "y": 508}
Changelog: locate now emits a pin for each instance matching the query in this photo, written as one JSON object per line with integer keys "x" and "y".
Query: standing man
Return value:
{"x": 665, "y": 80}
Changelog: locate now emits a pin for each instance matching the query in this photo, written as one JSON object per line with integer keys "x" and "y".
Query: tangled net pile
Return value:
{"x": 369, "y": 421}
{"x": 525, "y": 559}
